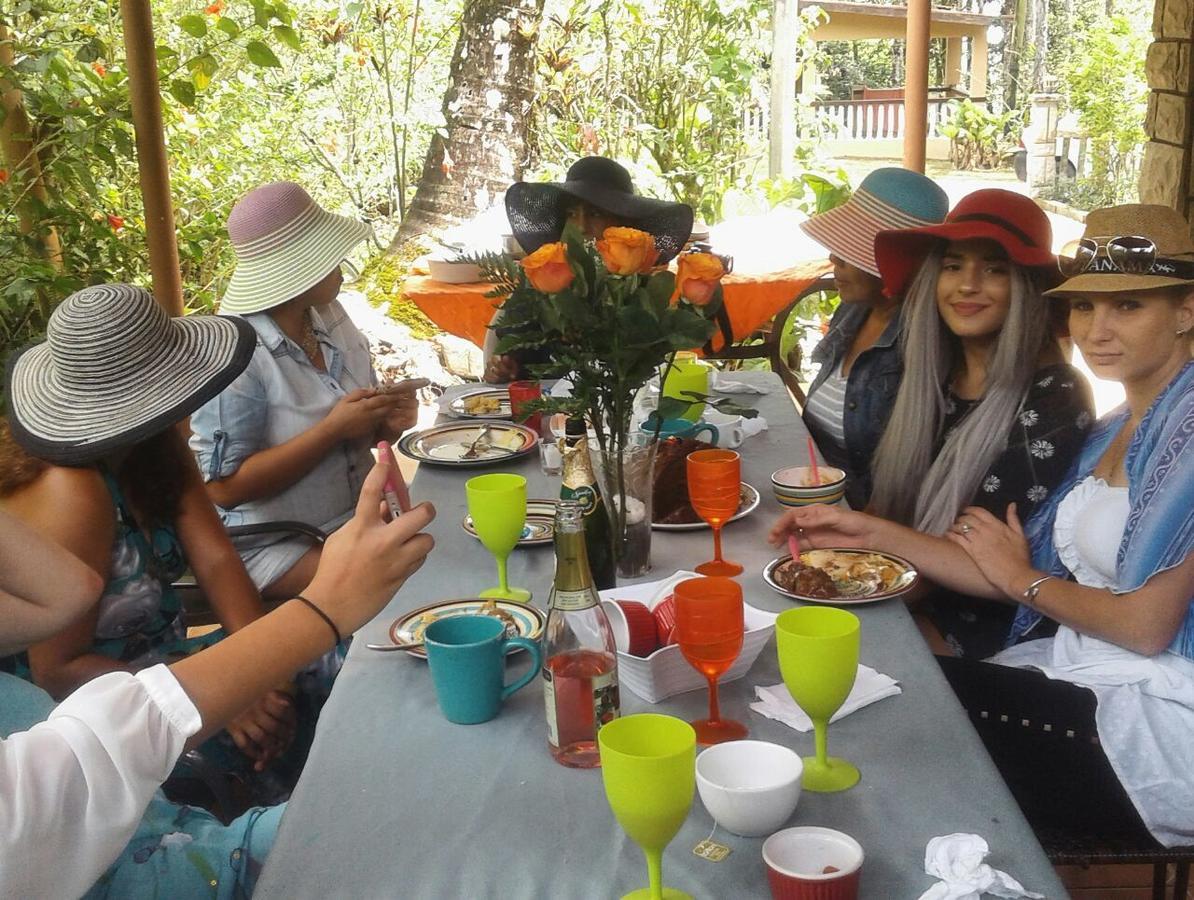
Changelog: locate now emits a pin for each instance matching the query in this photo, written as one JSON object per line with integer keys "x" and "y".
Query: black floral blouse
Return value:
{"x": 1049, "y": 430}
{"x": 1046, "y": 437}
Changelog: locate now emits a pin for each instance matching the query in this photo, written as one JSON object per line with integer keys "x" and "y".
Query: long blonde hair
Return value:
{"x": 911, "y": 485}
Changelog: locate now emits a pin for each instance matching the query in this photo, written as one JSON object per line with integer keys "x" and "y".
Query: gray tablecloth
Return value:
{"x": 397, "y": 802}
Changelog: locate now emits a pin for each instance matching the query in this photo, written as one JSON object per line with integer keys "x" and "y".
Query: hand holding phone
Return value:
{"x": 396, "y": 492}
{"x": 406, "y": 385}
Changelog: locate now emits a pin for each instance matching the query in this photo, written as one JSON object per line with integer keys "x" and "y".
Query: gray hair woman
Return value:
{"x": 988, "y": 412}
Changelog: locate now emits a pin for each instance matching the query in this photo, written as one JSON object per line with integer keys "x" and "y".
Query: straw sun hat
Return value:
{"x": 887, "y": 198}
{"x": 1163, "y": 225}
{"x": 116, "y": 369}
{"x": 285, "y": 243}
{"x": 537, "y": 214}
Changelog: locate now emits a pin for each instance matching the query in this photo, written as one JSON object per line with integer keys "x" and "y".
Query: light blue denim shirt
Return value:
{"x": 279, "y": 396}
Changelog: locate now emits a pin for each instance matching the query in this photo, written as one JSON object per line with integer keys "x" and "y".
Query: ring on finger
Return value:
{"x": 965, "y": 528}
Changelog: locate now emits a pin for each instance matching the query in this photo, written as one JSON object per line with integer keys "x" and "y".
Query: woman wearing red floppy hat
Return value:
{"x": 988, "y": 412}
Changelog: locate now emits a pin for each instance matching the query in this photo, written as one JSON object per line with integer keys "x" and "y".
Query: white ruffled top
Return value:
{"x": 1089, "y": 528}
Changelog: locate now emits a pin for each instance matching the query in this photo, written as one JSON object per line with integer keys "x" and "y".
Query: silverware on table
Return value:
{"x": 479, "y": 445}
{"x": 386, "y": 648}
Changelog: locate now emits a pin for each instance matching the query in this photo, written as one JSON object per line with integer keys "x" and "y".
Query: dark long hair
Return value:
{"x": 152, "y": 474}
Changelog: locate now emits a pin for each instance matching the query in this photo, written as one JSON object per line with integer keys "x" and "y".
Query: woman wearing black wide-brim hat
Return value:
{"x": 597, "y": 193}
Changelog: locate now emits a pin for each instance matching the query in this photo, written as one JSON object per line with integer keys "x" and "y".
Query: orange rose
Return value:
{"x": 547, "y": 269}
{"x": 627, "y": 251}
{"x": 697, "y": 277}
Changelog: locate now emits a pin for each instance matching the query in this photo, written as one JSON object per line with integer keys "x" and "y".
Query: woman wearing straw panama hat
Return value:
{"x": 1109, "y": 555}
{"x": 851, "y": 395}
{"x": 987, "y": 412}
{"x": 290, "y": 438}
{"x": 97, "y": 403}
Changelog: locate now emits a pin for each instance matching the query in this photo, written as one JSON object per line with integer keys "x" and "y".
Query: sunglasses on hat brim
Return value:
{"x": 1123, "y": 255}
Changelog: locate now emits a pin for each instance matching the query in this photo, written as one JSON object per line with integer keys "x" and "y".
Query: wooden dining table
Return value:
{"x": 751, "y": 300}
{"x": 395, "y": 801}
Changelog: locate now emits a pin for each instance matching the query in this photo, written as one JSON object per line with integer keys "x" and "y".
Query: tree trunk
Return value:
{"x": 18, "y": 151}
{"x": 1014, "y": 51}
{"x": 487, "y": 114}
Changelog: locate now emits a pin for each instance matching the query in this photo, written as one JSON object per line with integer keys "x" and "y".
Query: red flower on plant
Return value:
{"x": 116, "y": 222}
{"x": 99, "y": 69}
{"x": 3, "y": 176}
{"x": 215, "y": 9}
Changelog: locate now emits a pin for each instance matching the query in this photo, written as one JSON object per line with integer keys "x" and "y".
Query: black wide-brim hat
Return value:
{"x": 538, "y": 210}
{"x": 116, "y": 369}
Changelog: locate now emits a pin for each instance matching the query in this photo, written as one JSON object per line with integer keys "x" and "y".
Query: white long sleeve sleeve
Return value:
{"x": 74, "y": 788}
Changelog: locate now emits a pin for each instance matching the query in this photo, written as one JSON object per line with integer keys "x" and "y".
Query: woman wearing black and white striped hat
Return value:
{"x": 98, "y": 468}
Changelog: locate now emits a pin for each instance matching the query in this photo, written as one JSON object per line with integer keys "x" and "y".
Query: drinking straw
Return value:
{"x": 794, "y": 547}
{"x": 812, "y": 461}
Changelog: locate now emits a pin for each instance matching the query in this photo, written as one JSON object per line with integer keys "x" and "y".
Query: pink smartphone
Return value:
{"x": 396, "y": 493}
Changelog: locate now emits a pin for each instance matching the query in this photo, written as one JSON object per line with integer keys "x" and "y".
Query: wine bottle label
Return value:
{"x": 570, "y": 601}
{"x": 607, "y": 700}
{"x": 583, "y": 494}
{"x": 549, "y": 698}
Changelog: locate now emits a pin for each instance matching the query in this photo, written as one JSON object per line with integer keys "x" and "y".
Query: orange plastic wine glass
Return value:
{"x": 709, "y": 629}
{"x": 714, "y": 485}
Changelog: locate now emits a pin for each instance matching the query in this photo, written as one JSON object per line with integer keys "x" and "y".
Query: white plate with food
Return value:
{"x": 686, "y": 518}
{"x": 489, "y": 403}
{"x": 841, "y": 577}
{"x": 520, "y": 619}
{"x": 464, "y": 444}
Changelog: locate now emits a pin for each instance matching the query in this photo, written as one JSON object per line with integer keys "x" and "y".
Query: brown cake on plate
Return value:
{"x": 670, "y": 504}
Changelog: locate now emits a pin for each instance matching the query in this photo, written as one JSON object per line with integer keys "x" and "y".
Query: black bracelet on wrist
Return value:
{"x": 322, "y": 615}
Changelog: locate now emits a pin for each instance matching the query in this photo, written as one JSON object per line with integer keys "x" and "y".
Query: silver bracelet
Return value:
{"x": 1030, "y": 592}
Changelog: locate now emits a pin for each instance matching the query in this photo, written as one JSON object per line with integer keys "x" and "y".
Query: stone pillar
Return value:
{"x": 1165, "y": 175}
{"x": 978, "y": 65}
{"x": 953, "y": 62}
{"x": 1040, "y": 137}
{"x": 785, "y": 22}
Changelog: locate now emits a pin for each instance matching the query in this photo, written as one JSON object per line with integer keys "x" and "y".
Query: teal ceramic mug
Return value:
{"x": 467, "y": 656}
{"x": 679, "y": 428}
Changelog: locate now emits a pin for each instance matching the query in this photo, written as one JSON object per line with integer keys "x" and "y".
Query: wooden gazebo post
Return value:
{"x": 916, "y": 84}
{"x": 152, "y": 165}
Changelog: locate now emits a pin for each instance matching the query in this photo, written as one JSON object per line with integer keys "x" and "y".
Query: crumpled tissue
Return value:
{"x": 869, "y": 686}
{"x": 957, "y": 859}
{"x": 726, "y": 386}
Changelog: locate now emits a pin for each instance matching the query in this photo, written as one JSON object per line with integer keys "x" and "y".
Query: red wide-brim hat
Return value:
{"x": 1009, "y": 219}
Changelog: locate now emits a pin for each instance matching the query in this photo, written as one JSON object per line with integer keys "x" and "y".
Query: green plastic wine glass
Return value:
{"x": 648, "y": 764}
{"x": 818, "y": 658}
{"x": 498, "y": 505}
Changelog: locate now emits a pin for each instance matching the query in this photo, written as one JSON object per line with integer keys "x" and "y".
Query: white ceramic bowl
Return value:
{"x": 750, "y": 788}
{"x": 792, "y": 486}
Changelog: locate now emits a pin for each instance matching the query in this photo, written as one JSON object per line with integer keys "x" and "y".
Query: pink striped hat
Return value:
{"x": 887, "y": 199}
{"x": 285, "y": 243}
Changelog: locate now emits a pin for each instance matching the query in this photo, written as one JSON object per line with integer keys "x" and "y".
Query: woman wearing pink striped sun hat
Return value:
{"x": 852, "y": 394}
{"x": 290, "y": 438}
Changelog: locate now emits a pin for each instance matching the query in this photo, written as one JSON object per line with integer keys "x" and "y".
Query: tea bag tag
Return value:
{"x": 711, "y": 850}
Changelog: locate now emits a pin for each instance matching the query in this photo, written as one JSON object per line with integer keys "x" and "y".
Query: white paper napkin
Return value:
{"x": 957, "y": 859}
{"x": 776, "y": 703}
{"x": 751, "y": 427}
{"x": 726, "y": 386}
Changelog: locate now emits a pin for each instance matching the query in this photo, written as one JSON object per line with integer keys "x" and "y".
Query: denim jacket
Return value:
{"x": 870, "y": 394}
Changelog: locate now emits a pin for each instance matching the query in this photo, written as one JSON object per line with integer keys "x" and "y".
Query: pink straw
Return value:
{"x": 794, "y": 547}
{"x": 812, "y": 461}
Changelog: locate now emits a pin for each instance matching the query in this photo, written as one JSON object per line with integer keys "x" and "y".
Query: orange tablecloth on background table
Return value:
{"x": 751, "y": 300}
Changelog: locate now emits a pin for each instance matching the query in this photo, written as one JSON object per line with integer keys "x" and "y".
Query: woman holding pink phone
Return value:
{"x": 290, "y": 438}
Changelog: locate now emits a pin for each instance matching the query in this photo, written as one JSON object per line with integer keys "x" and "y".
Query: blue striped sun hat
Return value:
{"x": 888, "y": 198}
{"x": 285, "y": 243}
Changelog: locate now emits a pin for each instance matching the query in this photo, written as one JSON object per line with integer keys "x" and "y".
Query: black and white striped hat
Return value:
{"x": 114, "y": 369}
{"x": 285, "y": 243}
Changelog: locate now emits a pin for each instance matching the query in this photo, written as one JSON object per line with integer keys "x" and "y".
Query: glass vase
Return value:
{"x": 627, "y": 483}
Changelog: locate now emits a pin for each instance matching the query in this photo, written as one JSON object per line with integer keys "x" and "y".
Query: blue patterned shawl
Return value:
{"x": 1160, "y": 529}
